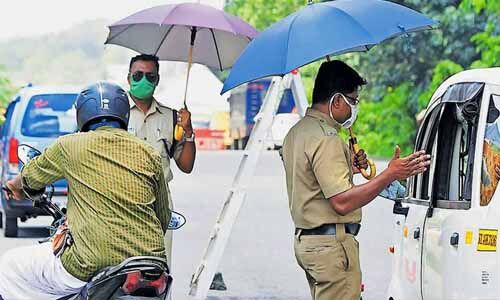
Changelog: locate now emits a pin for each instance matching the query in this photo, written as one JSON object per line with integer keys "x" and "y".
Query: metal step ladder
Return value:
{"x": 202, "y": 278}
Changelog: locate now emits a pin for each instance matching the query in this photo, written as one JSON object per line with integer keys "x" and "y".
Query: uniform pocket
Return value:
{"x": 317, "y": 249}
{"x": 346, "y": 261}
{"x": 351, "y": 247}
{"x": 324, "y": 258}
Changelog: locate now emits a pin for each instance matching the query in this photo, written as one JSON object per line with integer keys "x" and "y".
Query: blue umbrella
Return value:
{"x": 322, "y": 29}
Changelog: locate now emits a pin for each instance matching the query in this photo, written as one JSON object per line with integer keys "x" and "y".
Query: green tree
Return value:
{"x": 479, "y": 5}
{"x": 262, "y": 13}
{"x": 75, "y": 56}
{"x": 384, "y": 124}
{"x": 443, "y": 70}
{"x": 487, "y": 42}
{"x": 7, "y": 90}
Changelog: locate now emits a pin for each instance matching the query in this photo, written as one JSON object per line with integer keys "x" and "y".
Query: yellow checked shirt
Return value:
{"x": 117, "y": 202}
{"x": 318, "y": 166}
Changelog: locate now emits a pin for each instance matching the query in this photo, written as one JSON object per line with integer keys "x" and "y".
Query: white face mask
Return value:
{"x": 354, "y": 112}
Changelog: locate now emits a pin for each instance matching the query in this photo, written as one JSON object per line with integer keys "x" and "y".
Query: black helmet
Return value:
{"x": 102, "y": 100}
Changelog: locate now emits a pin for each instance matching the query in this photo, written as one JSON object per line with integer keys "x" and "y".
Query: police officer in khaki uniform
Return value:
{"x": 325, "y": 204}
{"x": 154, "y": 123}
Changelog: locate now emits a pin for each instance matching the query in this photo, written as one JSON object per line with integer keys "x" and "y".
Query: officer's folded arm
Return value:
{"x": 398, "y": 169}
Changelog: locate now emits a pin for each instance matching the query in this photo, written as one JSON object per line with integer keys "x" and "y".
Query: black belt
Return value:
{"x": 329, "y": 229}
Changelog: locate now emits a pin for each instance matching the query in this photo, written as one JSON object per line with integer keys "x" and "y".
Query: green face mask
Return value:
{"x": 142, "y": 89}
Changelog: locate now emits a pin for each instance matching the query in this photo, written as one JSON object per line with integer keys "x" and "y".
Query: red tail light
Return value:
{"x": 135, "y": 281}
{"x": 13, "y": 144}
{"x": 160, "y": 284}
{"x": 132, "y": 282}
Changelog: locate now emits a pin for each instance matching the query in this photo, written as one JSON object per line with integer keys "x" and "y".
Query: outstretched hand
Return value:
{"x": 411, "y": 165}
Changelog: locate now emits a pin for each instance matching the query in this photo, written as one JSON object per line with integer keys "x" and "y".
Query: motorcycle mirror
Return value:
{"x": 27, "y": 153}
{"x": 176, "y": 221}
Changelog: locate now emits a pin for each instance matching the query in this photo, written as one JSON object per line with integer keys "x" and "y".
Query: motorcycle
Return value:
{"x": 136, "y": 278}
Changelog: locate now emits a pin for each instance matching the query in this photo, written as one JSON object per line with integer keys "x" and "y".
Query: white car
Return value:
{"x": 446, "y": 228}
{"x": 36, "y": 116}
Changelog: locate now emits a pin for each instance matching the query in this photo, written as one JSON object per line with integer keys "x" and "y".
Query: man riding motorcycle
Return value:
{"x": 117, "y": 202}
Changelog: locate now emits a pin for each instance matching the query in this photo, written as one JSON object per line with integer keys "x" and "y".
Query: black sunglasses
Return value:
{"x": 353, "y": 101}
{"x": 151, "y": 77}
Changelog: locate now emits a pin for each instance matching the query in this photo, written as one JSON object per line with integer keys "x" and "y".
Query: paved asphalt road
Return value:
{"x": 259, "y": 261}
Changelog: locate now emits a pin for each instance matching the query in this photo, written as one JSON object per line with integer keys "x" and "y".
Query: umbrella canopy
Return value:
{"x": 189, "y": 32}
{"x": 166, "y": 31}
{"x": 322, "y": 29}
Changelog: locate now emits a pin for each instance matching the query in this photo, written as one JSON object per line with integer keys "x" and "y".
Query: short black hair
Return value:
{"x": 335, "y": 77}
{"x": 145, "y": 57}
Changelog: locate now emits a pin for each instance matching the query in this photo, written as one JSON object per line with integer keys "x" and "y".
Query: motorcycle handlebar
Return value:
{"x": 41, "y": 201}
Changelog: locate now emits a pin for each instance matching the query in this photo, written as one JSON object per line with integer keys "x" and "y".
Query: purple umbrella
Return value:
{"x": 188, "y": 32}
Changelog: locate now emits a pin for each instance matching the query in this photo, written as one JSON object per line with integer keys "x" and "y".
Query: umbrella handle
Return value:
{"x": 178, "y": 133}
{"x": 371, "y": 164}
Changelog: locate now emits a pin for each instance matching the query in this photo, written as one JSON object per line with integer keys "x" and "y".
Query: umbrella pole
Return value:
{"x": 179, "y": 131}
{"x": 190, "y": 62}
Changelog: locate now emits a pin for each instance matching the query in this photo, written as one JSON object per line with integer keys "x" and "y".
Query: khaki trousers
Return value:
{"x": 331, "y": 265}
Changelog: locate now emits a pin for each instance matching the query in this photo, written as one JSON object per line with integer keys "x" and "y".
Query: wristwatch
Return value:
{"x": 189, "y": 139}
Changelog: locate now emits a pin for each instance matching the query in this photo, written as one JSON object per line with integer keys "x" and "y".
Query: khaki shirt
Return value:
{"x": 157, "y": 128}
{"x": 318, "y": 166}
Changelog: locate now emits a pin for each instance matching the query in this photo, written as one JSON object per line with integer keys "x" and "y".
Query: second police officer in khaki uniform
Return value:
{"x": 154, "y": 123}
{"x": 325, "y": 204}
